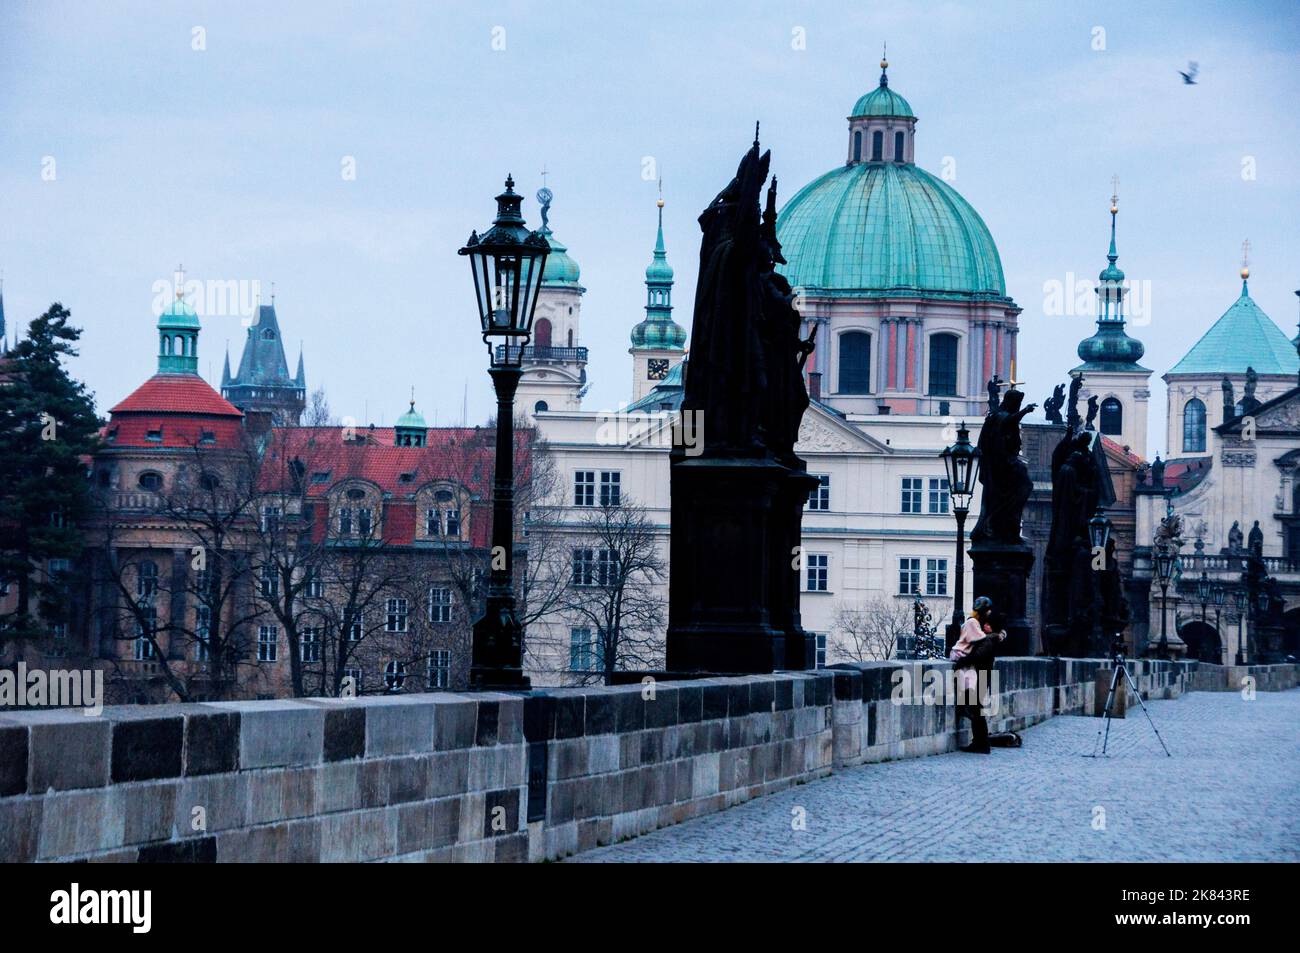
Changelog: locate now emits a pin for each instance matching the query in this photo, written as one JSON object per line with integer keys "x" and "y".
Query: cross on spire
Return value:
{"x": 1114, "y": 190}
{"x": 180, "y": 281}
{"x": 544, "y": 175}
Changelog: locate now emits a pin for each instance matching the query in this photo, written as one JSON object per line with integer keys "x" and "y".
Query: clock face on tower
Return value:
{"x": 656, "y": 369}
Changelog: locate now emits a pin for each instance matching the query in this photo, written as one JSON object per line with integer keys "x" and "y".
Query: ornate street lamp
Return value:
{"x": 507, "y": 263}
{"x": 962, "y": 461}
{"x": 1204, "y": 592}
{"x": 1241, "y": 598}
{"x": 1099, "y": 531}
{"x": 1165, "y": 559}
{"x": 1219, "y": 595}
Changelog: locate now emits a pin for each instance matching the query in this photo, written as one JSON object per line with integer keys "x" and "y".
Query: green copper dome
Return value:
{"x": 179, "y": 315}
{"x": 1244, "y": 337}
{"x": 412, "y": 418}
{"x": 885, "y": 229}
{"x": 560, "y": 268}
{"x": 882, "y": 101}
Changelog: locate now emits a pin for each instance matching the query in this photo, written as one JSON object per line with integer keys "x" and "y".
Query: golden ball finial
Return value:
{"x": 660, "y": 203}
{"x": 1245, "y": 272}
{"x": 1114, "y": 207}
{"x": 884, "y": 63}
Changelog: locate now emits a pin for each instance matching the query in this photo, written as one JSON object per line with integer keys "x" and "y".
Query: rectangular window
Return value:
{"x": 438, "y": 669}
{"x": 912, "y": 491}
{"x": 345, "y": 521}
{"x": 584, "y": 488}
{"x": 58, "y": 639}
{"x": 821, "y": 651}
{"x": 355, "y": 675}
{"x": 452, "y": 523}
{"x": 309, "y": 644}
{"x": 432, "y": 523}
{"x": 818, "y": 569}
{"x": 909, "y": 576}
{"x": 395, "y": 620}
{"x": 363, "y": 520}
{"x": 146, "y": 624}
{"x": 936, "y": 577}
{"x": 606, "y": 567}
{"x": 315, "y": 585}
{"x": 202, "y": 632}
{"x": 938, "y": 494}
{"x": 611, "y": 488}
{"x": 268, "y": 643}
{"x": 586, "y": 652}
{"x": 439, "y": 604}
{"x": 56, "y": 568}
{"x": 357, "y": 629}
{"x": 270, "y": 582}
{"x": 271, "y": 518}
{"x": 820, "y": 498}
{"x": 584, "y": 567}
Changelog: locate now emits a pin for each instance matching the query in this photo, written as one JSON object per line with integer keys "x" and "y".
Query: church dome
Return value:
{"x": 658, "y": 335}
{"x": 412, "y": 418}
{"x": 560, "y": 268}
{"x": 1110, "y": 349}
{"x": 882, "y": 101}
{"x": 179, "y": 315}
{"x": 887, "y": 228}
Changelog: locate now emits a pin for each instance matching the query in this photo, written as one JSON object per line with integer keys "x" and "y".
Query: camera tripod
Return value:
{"x": 1117, "y": 661}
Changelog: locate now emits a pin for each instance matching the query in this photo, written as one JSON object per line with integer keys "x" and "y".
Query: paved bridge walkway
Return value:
{"x": 1230, "y": 792}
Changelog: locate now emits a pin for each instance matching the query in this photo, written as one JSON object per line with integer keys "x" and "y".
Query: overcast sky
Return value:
{"x": 124, "y": 150}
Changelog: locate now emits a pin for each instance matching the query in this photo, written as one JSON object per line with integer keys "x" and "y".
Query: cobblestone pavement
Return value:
{"x": 1231, "y": 791}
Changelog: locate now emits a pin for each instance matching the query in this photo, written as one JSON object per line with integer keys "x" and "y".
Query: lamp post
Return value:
{"x": 1220, "y": 597}
{"x": 1165, "y": 560}
{"x": 1204, "y": 592}
{"x": 962, "y": 462}
{"x": 1241, "y": 598}
{"x": 507, "y": 262}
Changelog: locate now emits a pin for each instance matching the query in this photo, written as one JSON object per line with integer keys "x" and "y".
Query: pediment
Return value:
{"x": 823, "y": 432}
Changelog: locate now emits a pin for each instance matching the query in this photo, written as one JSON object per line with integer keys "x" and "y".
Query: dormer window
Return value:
{"x": 321, "y": 476}
{"x": 207, "y": 437}
{"x": 154, "y": 436}
{"x": 268, "y": 334}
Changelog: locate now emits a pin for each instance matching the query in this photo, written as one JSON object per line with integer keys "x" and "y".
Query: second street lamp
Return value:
{"x": 1241, "y": 598}
{"x": 962, "y": 462}
{"x": 1165, "y": 560}
{"x": 1220, "y": 597}
{"x": 1204, "y": 592}
{"x": 507, "y": 263}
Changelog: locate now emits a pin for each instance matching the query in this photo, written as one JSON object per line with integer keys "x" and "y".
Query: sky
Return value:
{"x": 345, "y": 152}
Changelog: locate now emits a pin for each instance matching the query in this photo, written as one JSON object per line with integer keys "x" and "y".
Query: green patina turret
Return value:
{"x": 178, "y": 335}
{"x": 560, "y": 270}
{"x": 1110, "y": 348}
{"x": 659, "y": 331}
{"x": 882, "y": 101}
{"x": 410, "y": 430}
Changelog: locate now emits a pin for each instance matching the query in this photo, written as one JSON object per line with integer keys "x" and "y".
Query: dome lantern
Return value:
{"x": 882, "y": 125}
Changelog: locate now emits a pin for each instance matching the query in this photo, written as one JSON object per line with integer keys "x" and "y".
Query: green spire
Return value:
{"x": 658, "y": 331}
{"x": 178, "y": 334}
{"x": 1111, "y": 349}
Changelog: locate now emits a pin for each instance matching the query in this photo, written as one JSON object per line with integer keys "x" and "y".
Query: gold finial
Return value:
{"x": 884, "y": 56}
{"x": 1114, "y": 194}
{"x": 1245, "y": 259}
{"x": 660, "y": 203}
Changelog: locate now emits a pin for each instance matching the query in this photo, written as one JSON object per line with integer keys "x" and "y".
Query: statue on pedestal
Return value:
{"x": 1052, "y": 406}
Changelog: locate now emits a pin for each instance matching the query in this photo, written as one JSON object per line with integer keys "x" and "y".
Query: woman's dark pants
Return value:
{"x": 979, "y": 726}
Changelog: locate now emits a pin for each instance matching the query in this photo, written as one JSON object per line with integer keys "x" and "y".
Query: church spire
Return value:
{"x": 1110, "y": 348}
{"x": 658, "y": 330}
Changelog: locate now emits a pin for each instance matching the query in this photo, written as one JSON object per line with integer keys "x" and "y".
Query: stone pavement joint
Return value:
{"x": 1231, "y": 792}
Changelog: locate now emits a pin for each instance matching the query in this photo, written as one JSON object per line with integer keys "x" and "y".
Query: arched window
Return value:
{"x": 898, "y": 146}
{"x": 855, "y": 363}
{"x": 394, "y": 675}
{"x": 571, "y": 334}
{"x": 1112, "y": 417}
{"x": 1194, "y": 426}
{"x": 542, "y": 333}
{"x": 857, "y": 146}
{"x": 167, "y": 344}
{"x": 540, "y": 406}
{"x": 943, "y": 365}
{"x": 877, "y": 145}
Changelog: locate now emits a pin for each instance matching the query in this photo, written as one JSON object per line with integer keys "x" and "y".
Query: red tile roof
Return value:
{"x": 1117, "y": 450}
{"x": 176, "y": 394}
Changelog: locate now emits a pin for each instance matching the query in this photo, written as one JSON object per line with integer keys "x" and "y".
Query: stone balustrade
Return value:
{"x": 487, "y": 776}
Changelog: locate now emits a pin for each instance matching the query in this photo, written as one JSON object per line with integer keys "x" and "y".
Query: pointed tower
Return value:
{"x": 262, "y": 388}
{"x": 554, "y": 364}
{"x": 178, "y": 337}
{"x": 1110, "y": 367}
{"x": 657, "y": 341}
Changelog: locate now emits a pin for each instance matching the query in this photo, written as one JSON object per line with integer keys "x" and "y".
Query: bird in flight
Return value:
{"x": 1189, "y": 78}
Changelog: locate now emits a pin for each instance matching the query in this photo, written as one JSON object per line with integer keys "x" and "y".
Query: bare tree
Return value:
{"x": 191, "y": 616}
{"x": 872, "y": 630}
{"x": 317, "y": 413}
{"x": 616, "y": 569}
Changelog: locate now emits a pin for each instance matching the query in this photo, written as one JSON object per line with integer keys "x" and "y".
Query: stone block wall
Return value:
{"x": 895, "y": 709}
{"x": 1232, "y": 678}
{"x": 437, "y": 777}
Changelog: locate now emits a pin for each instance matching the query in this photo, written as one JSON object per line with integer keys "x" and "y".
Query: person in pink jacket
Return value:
{"x": 973, "y": 653}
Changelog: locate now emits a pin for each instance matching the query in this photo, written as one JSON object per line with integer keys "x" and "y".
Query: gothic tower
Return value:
{"x": 262, "y": 388}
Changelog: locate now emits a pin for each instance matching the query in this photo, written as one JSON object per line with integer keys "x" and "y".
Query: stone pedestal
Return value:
{"x": 726, "y": 533}
{"x": 791, "y": 497}
{"x": 1002, "y": 573}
